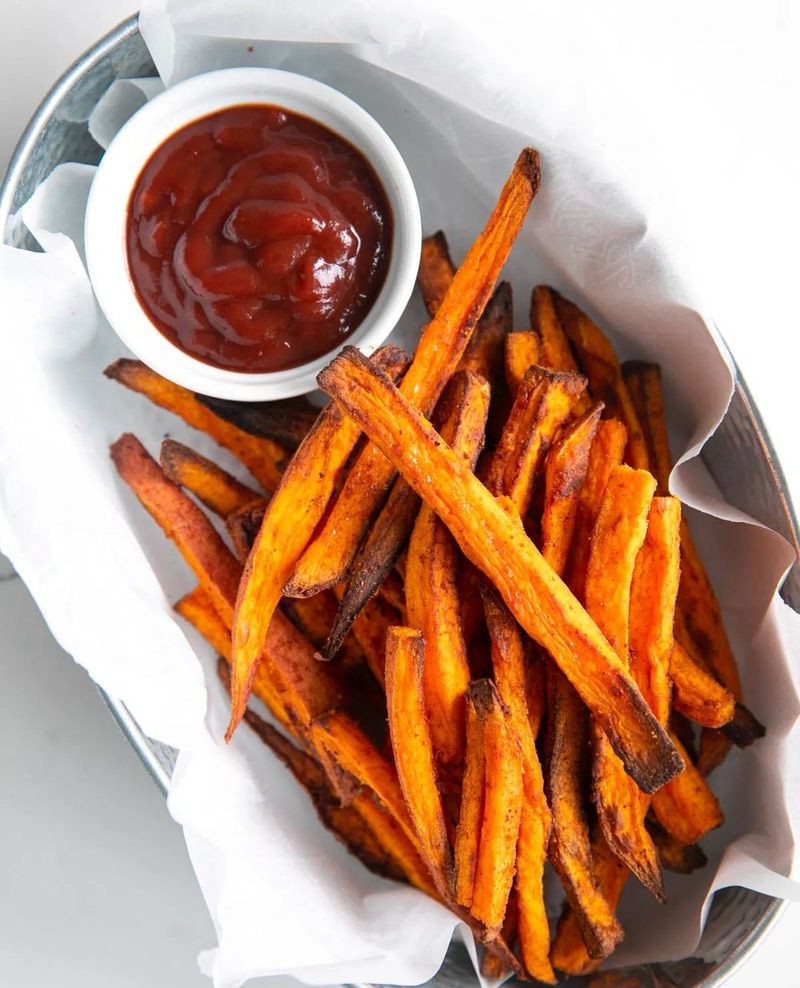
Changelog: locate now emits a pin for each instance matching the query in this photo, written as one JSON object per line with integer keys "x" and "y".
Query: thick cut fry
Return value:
{"x": 215, "y": 487}
{"x": 286, "y": 421}
{"x": 598, "y": 361}
{"x": 301, "y": 685}
{"x": 432, "y": 595}
{"x": 542, "y": 404}
{"x": 497, "y": 545}
{"x": 569, "y": 953}
{"x": 521, "y": 353}
{"x": 263, "y": 458}
{"x": 680, "y": 858}
{"x": 413, "y": 750}
{"x": 696, "y": 694}
{"x": 606, "y": 454}
{"x": 686, "y": 807}
{"x": 295, "y": 510}
{"x": 471, "y": 814}
{"x": 619, "y": 534}
{"x": 502, "y": 808}
{"x": 436, "y": 271}
{"x": 438, "y": 352}
{"x": 564, "y": 473}
{"x": 509, "y": 665}
{"x": 653, "y": 595}
{"x": 462, "y": 410}
{"x": 700, "y": 616}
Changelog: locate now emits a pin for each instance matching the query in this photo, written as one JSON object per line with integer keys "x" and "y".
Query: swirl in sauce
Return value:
{"x": 257, "y": 239}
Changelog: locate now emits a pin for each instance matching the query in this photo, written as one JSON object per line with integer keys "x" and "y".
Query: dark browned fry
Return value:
{"x": 286, "y": 421}
{"x": 677, "y": 857}
{"x": 495, "y": 542}
{"x": 440, "y": 348}
{"x": 244, "y": 525}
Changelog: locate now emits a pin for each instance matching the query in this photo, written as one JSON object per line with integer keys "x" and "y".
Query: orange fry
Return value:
{"x": 496, "y": 543}
{"x": 471, "y": 814}
{"x": 686, "y": 807}
{"x": 502, "y": 808}
{"x": 215, "y": 487}
{"x": 436, "y": 271}
{"x": 696, "y": 694}
{"x": 521, "y": 353}
{"x": 262, "y": 457}
{"x": 306, "y": 487}
{"x": 618, "y": 535}
{"x": 413, "y": 751}
{"x": 438, "y": 352}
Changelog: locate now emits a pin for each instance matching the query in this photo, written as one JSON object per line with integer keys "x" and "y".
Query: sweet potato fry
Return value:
{"x": 484, "y": 352}
{"x": 521, "y": 353}
{"x": 370, "y": 629}
{"x": 491, "y": 965}
{"x": 471, "y": 814}
{"x": 554, "y": 349}
{"x": 432, "y": 591}
{"x": 619, "y": 534}
{"x": 263, "y": 458}
{"x": 343, "y": 739}
{"x": 296, "y": 508}
{"x": 509, "y": 665}
{"x": 570, "y": 848}
{"x": 541, "y": 406}
{"x": 700, "y": 616}
{"x": 413, "y": 750}
{"x": 438, "y": 352}
{"x": 196, "y": 608}
{"x": 598, "y": 361}
{"x": 652, "y": 610}
{"x": 569, "y": 953}
{"x": 605, "y": 455}
{"x": 564, "y": 473}
{"x": 743, "y": 729}
{"x": 680, "y": 858}
{"x": 300, "y": 684}
{"x": 393, "y": 591}
{"x": 696, "y": 694}
{"x": 436, "y": 271}
{"x": 286, "y": 421}
{"x": 215, "y": 487}
{"x": 686, "y": 807}
{"x": 243, "y": 526}
{"x": 502, "y": 808}
{"x": 497, "y": 545}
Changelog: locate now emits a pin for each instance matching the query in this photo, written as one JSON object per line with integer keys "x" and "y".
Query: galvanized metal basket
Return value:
{"x": 739, "y": 457}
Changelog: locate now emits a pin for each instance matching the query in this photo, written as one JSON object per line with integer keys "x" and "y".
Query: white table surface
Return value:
{"x": 96, "y": 886}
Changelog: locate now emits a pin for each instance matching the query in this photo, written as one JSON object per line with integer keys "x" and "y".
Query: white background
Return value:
{"x": 96, "y": 886}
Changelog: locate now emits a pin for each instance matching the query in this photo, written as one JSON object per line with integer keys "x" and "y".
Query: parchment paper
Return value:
{"x": 284, "y": 896}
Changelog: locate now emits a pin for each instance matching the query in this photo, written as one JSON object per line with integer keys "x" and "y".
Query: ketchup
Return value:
{"x": 257, "y": 239}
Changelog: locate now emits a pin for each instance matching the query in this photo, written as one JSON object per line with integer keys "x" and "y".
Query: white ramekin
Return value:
{"x": 107, "y": 212}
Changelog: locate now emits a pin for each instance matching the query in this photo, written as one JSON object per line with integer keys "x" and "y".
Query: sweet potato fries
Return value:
{"x": 510, "y": 587}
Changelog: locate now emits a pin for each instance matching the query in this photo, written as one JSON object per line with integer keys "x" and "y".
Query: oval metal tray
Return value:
{"x": 740, "y": 457}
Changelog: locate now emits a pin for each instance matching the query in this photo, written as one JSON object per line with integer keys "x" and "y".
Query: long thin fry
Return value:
{"x": 509, "y": 666}
{"x": 432, "y": 595}
{"x": 598, "y": 361}
{"x": 696, "y": 694}
{"x": 413, "y": 750}
{"x": 502, "y": 808}
{"x": 438, "y": 352}
{"x": 619, "y": 534}
{"x": 469, "y": 820}
{"x": 497, "y": 545}
{"x": 215, "y": 487}
{"x": 263, "y": 458}
{"x": 295, "y": 510}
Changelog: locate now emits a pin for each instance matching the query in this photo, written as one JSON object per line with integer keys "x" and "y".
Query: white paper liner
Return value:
{"x": 284, "y": 896}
